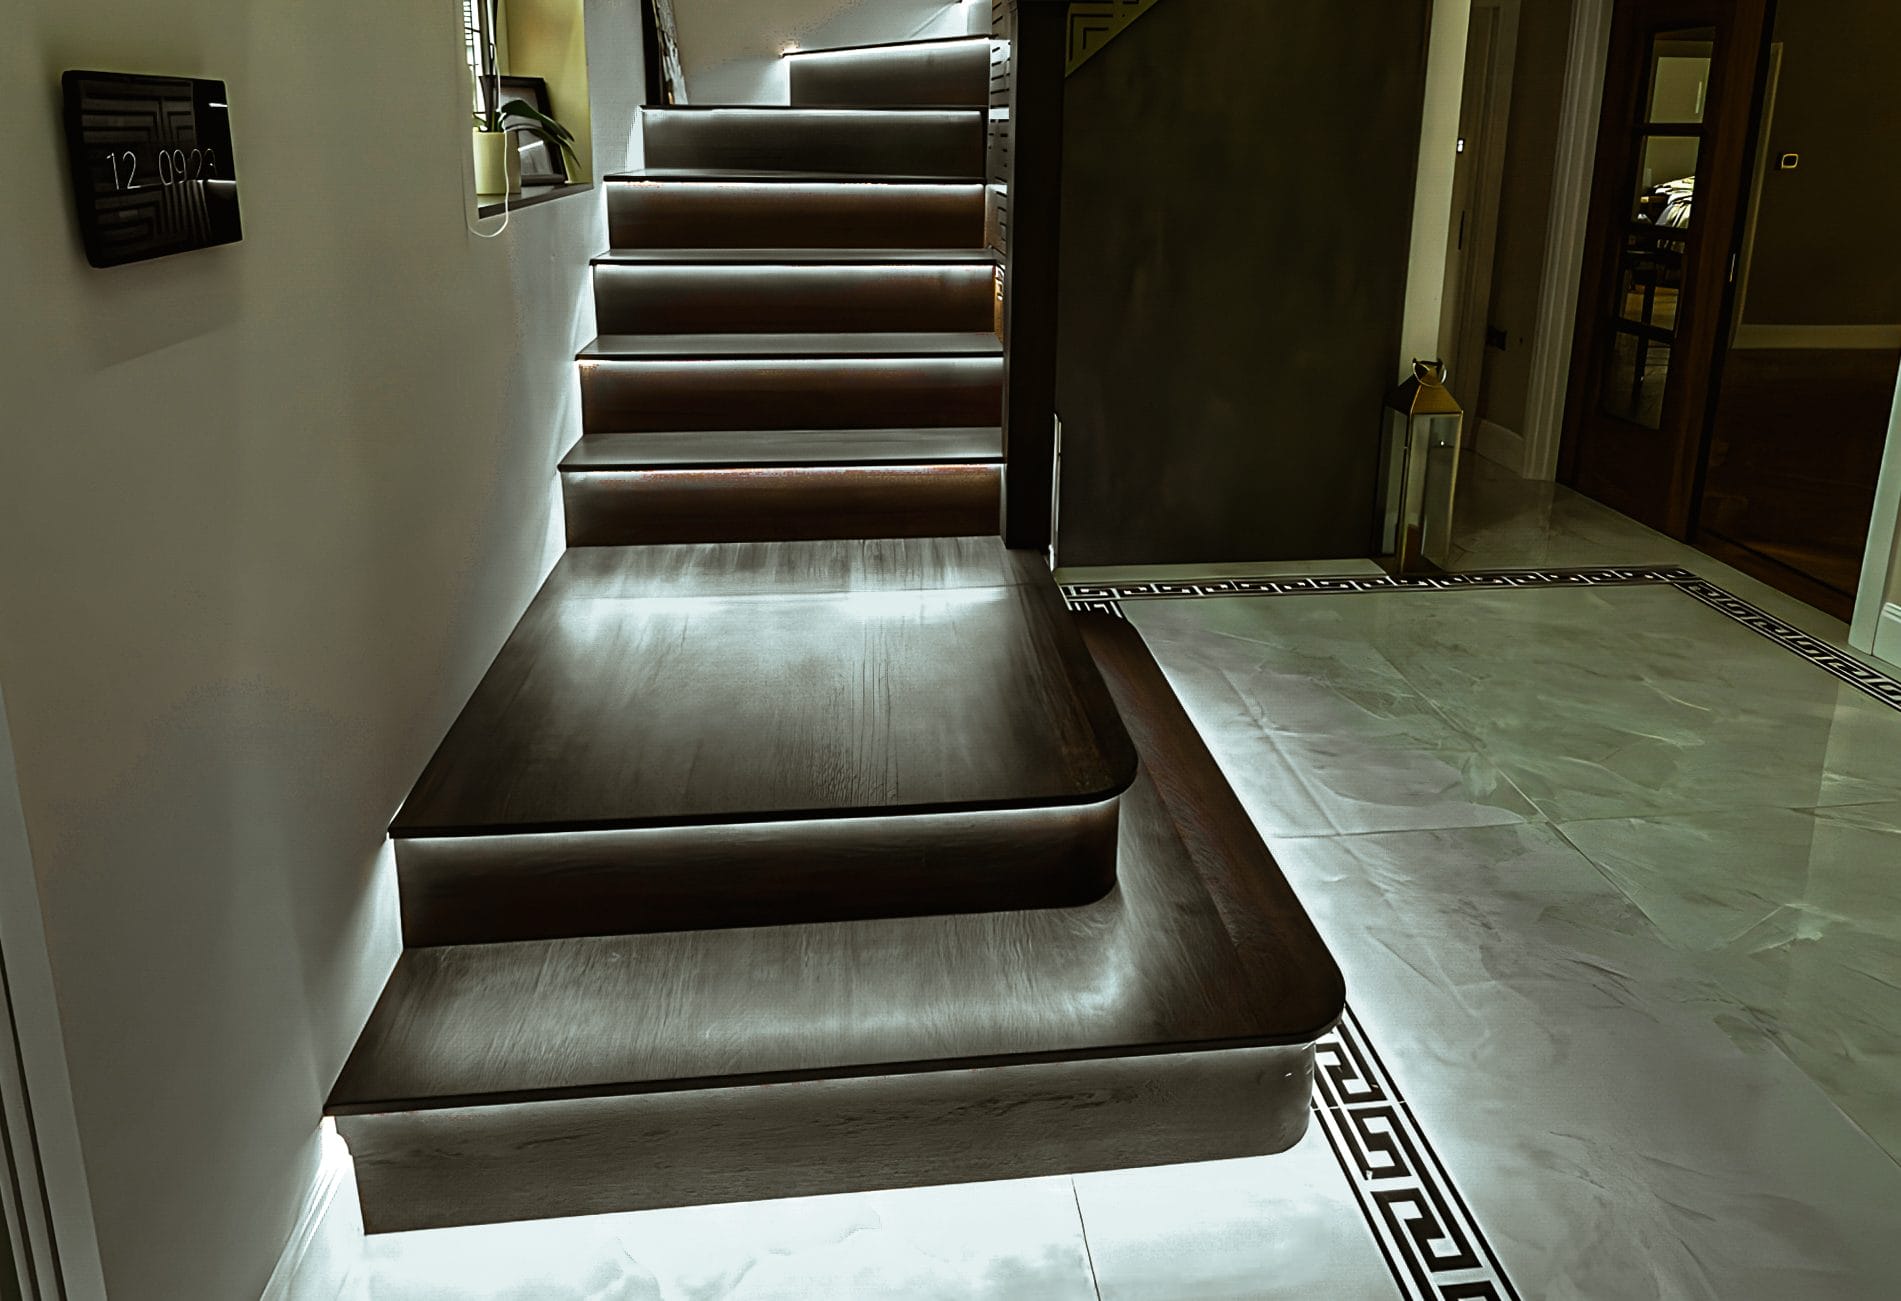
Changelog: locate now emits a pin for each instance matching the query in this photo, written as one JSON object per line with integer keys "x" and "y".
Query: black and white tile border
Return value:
{"x": 1433, "y": 1246}
{"x": 1871, "y": 681}
{"x": 1882, "y": 686}
{"x": 1599, "y": 577}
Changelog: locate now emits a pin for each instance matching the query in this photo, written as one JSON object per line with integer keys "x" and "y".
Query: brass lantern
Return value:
{"x": 1419, "y": 471}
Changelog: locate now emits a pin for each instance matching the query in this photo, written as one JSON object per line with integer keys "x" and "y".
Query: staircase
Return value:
{"x": 799, "y": 839}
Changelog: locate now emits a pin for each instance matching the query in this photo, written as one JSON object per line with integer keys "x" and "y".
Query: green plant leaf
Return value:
{"x": 534, "y": 117}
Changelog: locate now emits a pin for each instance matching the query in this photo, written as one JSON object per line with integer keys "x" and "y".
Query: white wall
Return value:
{"x": 730, "y": 49}
{"x": 266, "y": 513}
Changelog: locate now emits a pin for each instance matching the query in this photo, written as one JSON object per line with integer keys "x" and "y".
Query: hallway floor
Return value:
{"x": 1614, "y": 873}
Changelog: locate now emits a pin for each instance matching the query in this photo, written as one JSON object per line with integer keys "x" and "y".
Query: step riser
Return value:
{"x": 786, "y": 299}
{"x": 924, "y": 76}
{"x": 866, "y": 143}
{"x": 871, "y": 394}
{"x": 489, "y": 889}
{"x": 621, "y": 508}
{"x": 436, "y": 1169}
{"x": 769, "y": 214}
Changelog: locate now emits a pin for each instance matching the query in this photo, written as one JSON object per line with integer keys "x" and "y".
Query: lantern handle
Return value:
{"x": 1434, "y": 373}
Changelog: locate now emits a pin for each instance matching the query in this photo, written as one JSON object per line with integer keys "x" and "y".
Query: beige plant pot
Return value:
{"x": 497, "y": 164}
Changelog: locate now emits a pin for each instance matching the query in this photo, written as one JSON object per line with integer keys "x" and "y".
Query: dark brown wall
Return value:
{"x": 1237, "y": 190}
{"x": 1824, "y": 252}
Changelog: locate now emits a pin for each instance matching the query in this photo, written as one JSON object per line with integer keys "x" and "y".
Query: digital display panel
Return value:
{"x": 152, "y": 167}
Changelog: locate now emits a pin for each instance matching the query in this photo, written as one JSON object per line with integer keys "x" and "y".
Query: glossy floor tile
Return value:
{"x": 1634, "y": 700}
{"x": 1402, "y": 710}
{"x": 1796, "y": 915}
{"x": 999, "y": 1241}
{"x": 1506, "y": 522}
{"x": 1279, "y": 1227}
{"x": 1615, "y": 1122}
{"x": 1339, "y": 739}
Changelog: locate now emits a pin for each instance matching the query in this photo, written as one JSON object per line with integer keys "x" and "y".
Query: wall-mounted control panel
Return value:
{"x": 152, "y": 167}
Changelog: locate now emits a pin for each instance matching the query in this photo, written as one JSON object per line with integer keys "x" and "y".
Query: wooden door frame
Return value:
{"x": 1587, "y": 57}
{"x": 1475, "y": 289}
{"x": 1877, "y": 626}
{"x": 1702, "y": 326}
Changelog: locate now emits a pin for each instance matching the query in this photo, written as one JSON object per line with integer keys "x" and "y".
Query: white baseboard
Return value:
{"x": 1888, "y": 634}
{"x": 1502, "y": 445}
{"x": 327, "y": 1243}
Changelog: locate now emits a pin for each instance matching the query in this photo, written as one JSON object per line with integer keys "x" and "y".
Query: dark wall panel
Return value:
{"x": 1237, "y": 189}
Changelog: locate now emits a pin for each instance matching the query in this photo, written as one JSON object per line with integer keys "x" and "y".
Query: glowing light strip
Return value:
{"x": 910, "y": 470}
{"x": 777, "y": 113}
{"x": 976, "y": 267}
{"x": 791, "y": 187}
{"x": 753, "y": 363}
{"x": 882, "y": 51}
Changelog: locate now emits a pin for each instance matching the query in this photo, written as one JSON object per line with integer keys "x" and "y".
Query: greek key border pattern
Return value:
{"x": 1864, "y": 678}
{"x": 1623, "y": 575}
{"x": 1432, "y": 1244}
{"x": 1870, "y": 681}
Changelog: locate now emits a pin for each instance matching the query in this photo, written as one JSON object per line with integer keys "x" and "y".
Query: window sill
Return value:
{"x": 491, "y": 205}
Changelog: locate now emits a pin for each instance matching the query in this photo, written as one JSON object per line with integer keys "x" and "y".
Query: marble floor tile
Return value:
{"x": 1318, "y": 730}
{"x": 1505, "y": 522}
{"x": 1260, "y": 1229}
{"x": 1615, "y": 1121}
{"x": 1795, "y": 914}
{"x": 1629, "y": 701}
{"x": 1001, "y": 1241}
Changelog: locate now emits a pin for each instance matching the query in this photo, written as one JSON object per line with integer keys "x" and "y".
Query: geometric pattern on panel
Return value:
{"x": 1870, "y": 681}
{"x": 1094, "y": 23}
{"x": 1434, "y": 1248}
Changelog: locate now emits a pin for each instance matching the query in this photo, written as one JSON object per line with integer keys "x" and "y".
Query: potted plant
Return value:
{"x": 497, "y": 162}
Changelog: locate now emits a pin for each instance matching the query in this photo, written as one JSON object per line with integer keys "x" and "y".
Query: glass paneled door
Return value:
{"x": 1668, "y": 187}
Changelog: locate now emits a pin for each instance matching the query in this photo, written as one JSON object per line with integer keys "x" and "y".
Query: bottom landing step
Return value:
{"x": 1174, "y": 1020}
{"x": 631, "y": 489}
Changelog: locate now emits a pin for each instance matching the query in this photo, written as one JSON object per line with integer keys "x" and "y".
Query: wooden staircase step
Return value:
{"x": 740, "y": 503}
{"x": 946, "y": 72}
{"x": 783, "y": 448}
{"x": 1172, "y": 1020}
{"x": 925, "y": 142}
{"x": 879, "y": 346}
{"x": 790, "y": 381}
{"x": 673, "y": 208}
{"x": 824, "y": 257}
{"x": 685, "y": 291}
{"x": 701, "y": 756}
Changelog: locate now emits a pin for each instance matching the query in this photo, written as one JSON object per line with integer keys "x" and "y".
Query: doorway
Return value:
{"x": 1477, "y": 179}
{"x": 1807, "y": 384}
{"x": 1660, "y": 239}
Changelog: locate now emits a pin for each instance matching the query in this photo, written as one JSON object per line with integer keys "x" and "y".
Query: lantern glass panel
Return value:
{"x": 1438, "y": 442}
{"x": 1392, "y": 486}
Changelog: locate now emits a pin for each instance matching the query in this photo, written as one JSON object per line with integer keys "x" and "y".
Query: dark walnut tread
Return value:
{"x": 738, "y": 699}
{"x": 1171, "y": 1020}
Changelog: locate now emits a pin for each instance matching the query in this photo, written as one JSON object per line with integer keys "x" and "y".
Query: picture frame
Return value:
{"x": 666, "y": 76}
{"x": 540, "y": 163}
